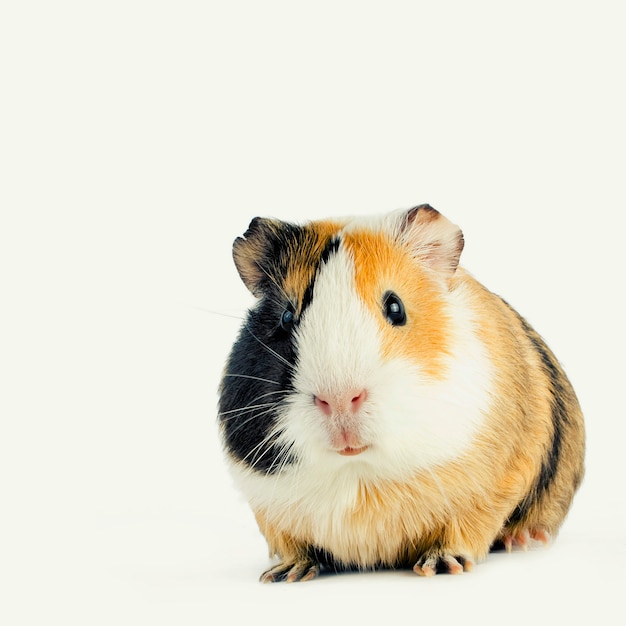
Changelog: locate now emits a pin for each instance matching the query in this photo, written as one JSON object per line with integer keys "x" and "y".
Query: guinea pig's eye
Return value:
{"x": 287, "y": 318}
{"x": 394, "y": 309}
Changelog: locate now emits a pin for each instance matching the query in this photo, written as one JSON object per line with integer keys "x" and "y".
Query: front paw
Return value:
{"x": 292, "y": 571}
{"x": 441, "y": 562}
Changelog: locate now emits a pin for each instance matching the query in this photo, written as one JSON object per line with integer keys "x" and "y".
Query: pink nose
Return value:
{"x": 347, "y": 403}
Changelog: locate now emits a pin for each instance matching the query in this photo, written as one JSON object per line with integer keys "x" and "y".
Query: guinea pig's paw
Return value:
{"x": 292, "y": 571}
{"x": 523, "y": 538}
{"x": 439, "y": 562}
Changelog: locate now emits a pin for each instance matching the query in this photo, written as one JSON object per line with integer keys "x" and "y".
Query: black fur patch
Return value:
{"x": 328, "y": 562}
{"x": 258, "y": 375}
{"x": 259, "y": 371}
{"x": 331, "y": 248}
{"x": 560, "y": 418}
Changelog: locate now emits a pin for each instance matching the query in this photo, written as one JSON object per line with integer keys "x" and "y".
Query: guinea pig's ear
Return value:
{"x": 250, "y": 250}
{"x": 433, "y": 239}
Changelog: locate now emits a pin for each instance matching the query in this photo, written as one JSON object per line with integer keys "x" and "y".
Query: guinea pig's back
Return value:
{"x": 535, "y": 420}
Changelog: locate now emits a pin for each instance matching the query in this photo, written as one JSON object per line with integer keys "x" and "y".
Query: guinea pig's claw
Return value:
{"x": 523, "y": 538}
{"x": 291, "y": 572}
{"x": 432, "y": 564}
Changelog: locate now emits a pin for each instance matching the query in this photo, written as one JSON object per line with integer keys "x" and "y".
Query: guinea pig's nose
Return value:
{"x": 350, "y": 402}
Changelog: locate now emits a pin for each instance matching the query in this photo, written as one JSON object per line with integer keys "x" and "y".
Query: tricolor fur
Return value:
{"x": 366, "y": 434}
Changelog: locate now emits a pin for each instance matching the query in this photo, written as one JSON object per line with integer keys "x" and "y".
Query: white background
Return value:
{"x": 137, "y": 141}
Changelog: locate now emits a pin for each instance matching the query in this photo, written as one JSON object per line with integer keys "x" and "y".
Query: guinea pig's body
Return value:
{"x": 381, "y": 408}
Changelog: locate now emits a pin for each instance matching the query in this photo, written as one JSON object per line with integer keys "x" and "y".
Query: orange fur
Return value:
{"x": 301, "y": 269}
{"x": 381, "y": 265}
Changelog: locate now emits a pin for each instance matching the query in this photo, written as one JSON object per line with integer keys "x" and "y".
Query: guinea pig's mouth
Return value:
{"x": 348, "y": 451}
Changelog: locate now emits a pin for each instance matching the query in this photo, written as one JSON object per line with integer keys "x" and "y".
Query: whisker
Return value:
{"x": 270, "y": 408}
{"x": 269, "y": 438}
{"x": 252, "y": 406}
{"x": 247, "y": 409}
{"x": 282, "y": 458}
{"x": 273, "y": 352}
{"x": 245, "y": 422}
{"x": 220, "y": 313}
{"x": 254, "y": 416}
{"x": 263, "y": 380}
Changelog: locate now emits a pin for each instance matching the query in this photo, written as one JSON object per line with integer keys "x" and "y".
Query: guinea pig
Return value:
{"x": 380, "y": 408}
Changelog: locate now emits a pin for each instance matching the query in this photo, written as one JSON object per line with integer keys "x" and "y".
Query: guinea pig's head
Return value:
{"x": 352, "y": 354}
